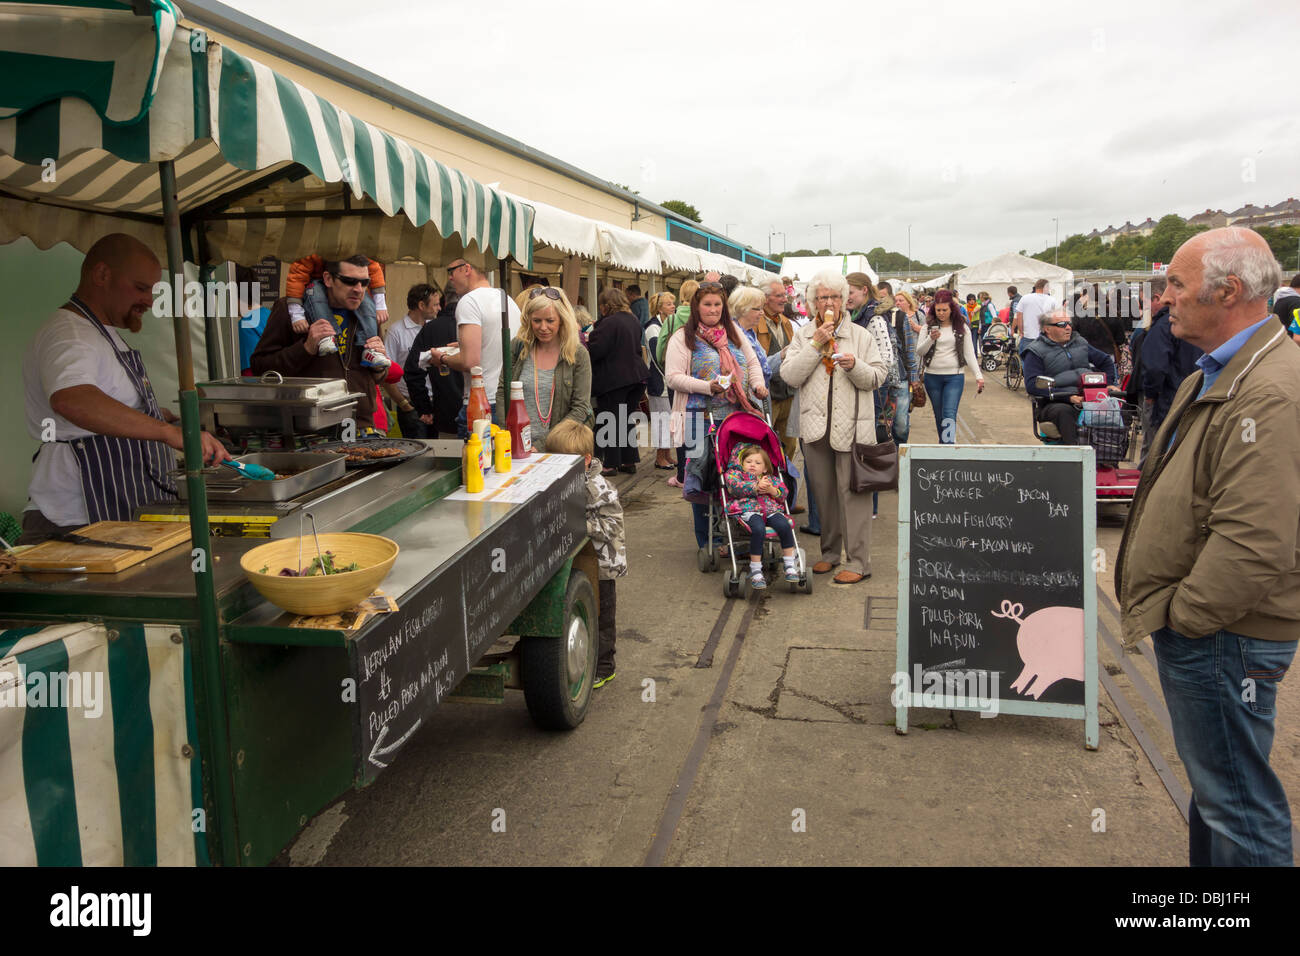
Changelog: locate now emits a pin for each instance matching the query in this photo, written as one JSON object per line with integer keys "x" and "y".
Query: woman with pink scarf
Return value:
{"x": 707, "y": 365}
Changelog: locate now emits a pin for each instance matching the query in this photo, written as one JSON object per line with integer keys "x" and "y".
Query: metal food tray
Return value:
{"x": 273, "y": 387}
{"x": 281, "y": 415}
{"x": 312, "y": 471}
{"x": 410, "y": 449}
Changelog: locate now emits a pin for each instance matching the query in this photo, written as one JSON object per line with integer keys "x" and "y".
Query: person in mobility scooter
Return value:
{"x": 1071, "y": 383}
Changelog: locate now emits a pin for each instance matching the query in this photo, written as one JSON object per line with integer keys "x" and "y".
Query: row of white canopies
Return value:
{"x": 627, "y": 249}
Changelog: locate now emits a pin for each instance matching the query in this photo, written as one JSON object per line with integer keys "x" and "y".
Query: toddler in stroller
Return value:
{"x": 758, "y": 500}
{"x": 752, "y": 492}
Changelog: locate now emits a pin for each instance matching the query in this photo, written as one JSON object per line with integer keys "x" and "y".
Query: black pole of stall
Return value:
{"x": 216, "y": 742}
{"x": 211, "y": 324}
{"x": 507, "y": 372}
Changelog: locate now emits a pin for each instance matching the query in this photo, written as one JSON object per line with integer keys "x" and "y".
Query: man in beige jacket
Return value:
{"x": 1210, "y": 561}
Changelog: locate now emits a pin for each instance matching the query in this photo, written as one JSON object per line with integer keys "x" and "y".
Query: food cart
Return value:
{"x": 165, "y": 712}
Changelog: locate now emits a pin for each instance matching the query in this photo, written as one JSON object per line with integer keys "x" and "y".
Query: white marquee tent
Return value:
{"x": 805, "y": 267}
{"x": 994, "y": 275}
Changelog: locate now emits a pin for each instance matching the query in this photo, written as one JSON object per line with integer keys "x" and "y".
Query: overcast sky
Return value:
{"x": 780, "y": 115}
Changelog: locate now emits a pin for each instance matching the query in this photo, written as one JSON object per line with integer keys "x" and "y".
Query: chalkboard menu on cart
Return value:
{"x": 410, "y": 660}
{"x": 997, "y": 599}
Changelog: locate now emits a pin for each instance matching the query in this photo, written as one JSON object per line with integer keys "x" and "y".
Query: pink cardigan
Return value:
{"x": 677, "y": 376}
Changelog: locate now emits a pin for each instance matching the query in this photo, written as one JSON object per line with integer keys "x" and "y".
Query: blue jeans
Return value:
{"x": 1221, "y": 690}
{"x": 903, "y": 413}
{"x": 945, "y": 395}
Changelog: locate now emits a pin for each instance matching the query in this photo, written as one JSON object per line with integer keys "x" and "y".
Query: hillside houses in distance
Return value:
{"x": 1286, "y": 213}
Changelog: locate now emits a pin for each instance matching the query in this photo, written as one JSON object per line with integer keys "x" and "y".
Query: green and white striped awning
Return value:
{"x": 94, "y": 768}
{"x": 71, "y": 171}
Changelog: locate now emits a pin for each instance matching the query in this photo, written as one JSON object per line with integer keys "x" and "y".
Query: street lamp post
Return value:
{"x": 909, "y": 252}
{"x": 770, "y": 234}
{"x": 830, "y": 234}
{"x": 1056, "y": 250}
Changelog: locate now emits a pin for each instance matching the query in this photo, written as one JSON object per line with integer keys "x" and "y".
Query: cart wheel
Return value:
{"x": 730, "y": 586}
{"x": 743, "y": 587}
{"x": 703, "y": 560}
{"x": 805, "y": 584}
{"x": 557, "y": 672}
{"x": 713, "y": 558}
{"x": 990, "y": 363}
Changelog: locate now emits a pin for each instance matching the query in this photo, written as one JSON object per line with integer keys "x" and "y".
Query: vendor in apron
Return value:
{"x": 107, "y": 447}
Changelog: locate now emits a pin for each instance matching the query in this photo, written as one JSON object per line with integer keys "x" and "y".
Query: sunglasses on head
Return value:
{"x": 710, "y": 287}
{"x": 352, "y": 281}
{"x": 549, "y": 291}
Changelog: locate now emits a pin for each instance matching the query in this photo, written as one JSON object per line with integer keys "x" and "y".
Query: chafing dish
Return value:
{"x": 276, "y": 403}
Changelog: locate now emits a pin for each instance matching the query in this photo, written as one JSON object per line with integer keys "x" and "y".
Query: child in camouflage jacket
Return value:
{"x": 604, "y": 528}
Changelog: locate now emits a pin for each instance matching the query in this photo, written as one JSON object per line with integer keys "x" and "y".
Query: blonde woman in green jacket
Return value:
{"x": 549, "y": 359}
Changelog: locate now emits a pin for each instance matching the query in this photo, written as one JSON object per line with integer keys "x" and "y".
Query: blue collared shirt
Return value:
{"x": 1212, "y": 363}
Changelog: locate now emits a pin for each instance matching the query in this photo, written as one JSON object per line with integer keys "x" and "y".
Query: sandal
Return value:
{"x": 757, "y": 581}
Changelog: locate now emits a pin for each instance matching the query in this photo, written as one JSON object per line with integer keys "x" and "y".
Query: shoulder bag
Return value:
{"x": 871, "y": 467}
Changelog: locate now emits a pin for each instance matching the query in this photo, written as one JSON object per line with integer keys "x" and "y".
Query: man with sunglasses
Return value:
{"x": 294, "y": 354}
{"x": 478, "y": 332}
{"x": 1057, "y": 350}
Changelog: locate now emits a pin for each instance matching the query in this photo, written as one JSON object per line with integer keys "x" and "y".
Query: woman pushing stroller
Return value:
{"x": 757, "y": 497}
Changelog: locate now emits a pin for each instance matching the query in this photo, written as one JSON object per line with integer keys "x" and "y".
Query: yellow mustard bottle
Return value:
{"x": 500, "y": 450}
{"x": 471, "y": 467}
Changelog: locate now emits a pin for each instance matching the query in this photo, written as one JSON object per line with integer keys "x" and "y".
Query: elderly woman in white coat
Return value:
{"x": 836, "y": 366}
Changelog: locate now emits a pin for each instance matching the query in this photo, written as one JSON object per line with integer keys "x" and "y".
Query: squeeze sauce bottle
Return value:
{"x": 517, "y": 420}
{"x": 471, "y": 466}
{"x": 483, "y": 429}
{"x": 478, "y": 401}
{"x": 501, "y": 453}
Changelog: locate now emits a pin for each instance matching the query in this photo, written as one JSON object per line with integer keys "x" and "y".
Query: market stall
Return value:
{"x": 224, "y": 722}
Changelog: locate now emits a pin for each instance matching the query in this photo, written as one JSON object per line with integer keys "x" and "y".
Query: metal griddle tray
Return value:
{"x": 310, "y": 471}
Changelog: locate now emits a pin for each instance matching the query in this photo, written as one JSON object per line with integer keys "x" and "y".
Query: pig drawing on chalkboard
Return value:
{"x": 1050, "y": 642}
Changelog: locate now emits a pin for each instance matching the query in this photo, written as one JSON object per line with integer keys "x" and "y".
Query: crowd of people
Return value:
{"x": 1208, "y": 564}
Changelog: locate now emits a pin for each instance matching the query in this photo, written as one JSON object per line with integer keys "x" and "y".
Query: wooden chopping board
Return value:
{"x": 157, "y": 535}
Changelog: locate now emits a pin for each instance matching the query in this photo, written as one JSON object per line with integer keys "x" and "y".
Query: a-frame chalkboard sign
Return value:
{"x": 997, "y": 601}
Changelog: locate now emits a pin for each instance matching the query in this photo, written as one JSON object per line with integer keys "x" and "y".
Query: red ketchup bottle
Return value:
{"x": 517, "y": 420}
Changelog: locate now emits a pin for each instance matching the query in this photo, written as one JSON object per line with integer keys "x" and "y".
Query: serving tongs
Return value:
{"x": 250, "y": 470}
{"x": 324, "y": 569}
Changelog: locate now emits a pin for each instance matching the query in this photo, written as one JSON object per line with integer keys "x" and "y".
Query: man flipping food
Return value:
{"x": 106, "y": 444}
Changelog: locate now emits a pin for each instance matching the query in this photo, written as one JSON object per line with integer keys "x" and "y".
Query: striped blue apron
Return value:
{"x": 119, "y": 475}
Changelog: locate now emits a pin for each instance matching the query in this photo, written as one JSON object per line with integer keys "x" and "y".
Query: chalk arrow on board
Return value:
{"x": 384, "y": 751}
